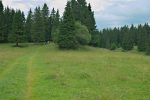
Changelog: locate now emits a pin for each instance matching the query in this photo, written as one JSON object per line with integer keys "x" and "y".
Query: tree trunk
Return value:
{"x": 17, "y": 44}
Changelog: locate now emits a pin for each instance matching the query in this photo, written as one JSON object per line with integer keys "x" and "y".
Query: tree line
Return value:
{"x": 125, "y": 37}
{"x": 37, "y": 27}
{"x": 41, "y": 25}
{"x": 76, "y": 27}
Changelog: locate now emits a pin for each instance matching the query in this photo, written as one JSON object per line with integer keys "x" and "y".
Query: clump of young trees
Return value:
{"x": 66, "y": 36}
{"x": 75, "y": 28}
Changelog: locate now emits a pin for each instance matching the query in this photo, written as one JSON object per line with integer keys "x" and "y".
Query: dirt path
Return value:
{"x": 29, "y": 79}
{"x": 30, "y": 74}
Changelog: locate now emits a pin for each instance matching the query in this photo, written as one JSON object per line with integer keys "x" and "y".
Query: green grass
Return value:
{"x": 42, "y": 72}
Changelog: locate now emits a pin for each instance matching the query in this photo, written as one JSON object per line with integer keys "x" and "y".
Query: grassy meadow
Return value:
{"x": 43, "y": 72}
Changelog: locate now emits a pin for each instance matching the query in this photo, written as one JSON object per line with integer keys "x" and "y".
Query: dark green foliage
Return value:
{"x": 51, "y": 23}
{"x": 66, "y": 37}
{"x": 126, "y": 37}
{"x": 134, "y": 32}
{"x": 8, "y": 20}
{"x": 82, "y": 34}
{"x": 17, "y": 34}
{"x": 1, "y": 21}
{"x": 95, "y": 38}
{"x": 45, "y": 18}
{"x": 37, "y": 27}
{"x": 55, "y": 22}
{"x": 55, "y": 25}
{"x": 84, "y": 14}
{"x": 1, "y": 7}
{"x": 75, "y": 10}
{"x": 127, "y": 43}
{"x": 52, "y": 20}
{"x": 91, "y": 20}
{"x": 28, "y": 26}
{"x": 142, "y": 37}
{"x": 53, "y": 14}
{"x": 148, "y": 46}
{"x": 55, "y": 35}
{"x": 113, "y": 46}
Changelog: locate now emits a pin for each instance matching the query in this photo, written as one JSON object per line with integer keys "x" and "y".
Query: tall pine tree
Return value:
{"x": 66, "y": 37}
{"x": 17, "y": 34}
{"x": 45, "y": 17}
{"x": 1, "y": 6}
{"x": 56, "y": 21}
{"x": 55, "y": 26}
{"x": 1, "y": 20}
{"x": 28, "y": 26}
{"x": 142, "y": 37}
{"x": 37, "y": 27}
{"x": 127, "y": 43}
{"x": 84, "y": 14}
{"x": 148, "y": 45}
{"x": 75, "y": 10}
{"x": 51, "y": 22}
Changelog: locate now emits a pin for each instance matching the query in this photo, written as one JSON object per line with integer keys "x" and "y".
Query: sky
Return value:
{"x": 108, "y": 13}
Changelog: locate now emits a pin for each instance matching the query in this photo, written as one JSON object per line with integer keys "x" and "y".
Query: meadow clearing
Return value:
{"x": 43, "y": 72}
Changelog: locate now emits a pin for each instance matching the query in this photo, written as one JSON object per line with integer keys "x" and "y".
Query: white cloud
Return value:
{"x": 107, "y": 12}
{"x": 97, "y": 5}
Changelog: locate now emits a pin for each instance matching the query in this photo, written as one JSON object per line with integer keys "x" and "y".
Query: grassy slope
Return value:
{"x": 46, "y": 73}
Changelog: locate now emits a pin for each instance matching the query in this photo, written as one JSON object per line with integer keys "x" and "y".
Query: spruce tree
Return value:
{"x": 45, "y": 15}
{"x": 50, "y": 28}
{"x": 37, "y": 27}
{"x": 56, "y": 21}
{"x": 53, "y": 13}
{"x": 66, "y": 37}
{"x": 127, "y": 39}
{"x": 51, "y": 22}
{"x": 142, "y": 37}
{"x": 91, "y": 20}
{"x": 17, "y": 34}
{"x": 95, "y": 39}
{"x": 55, "y": 26}
{"x": 148, "y": 46}
{"x": 1, "y": 20}
{"x": 7, "y": 25}
{"x": 28, "y": 26}
{"x": 75, "y": 10}
{"x": 91, "y": 24}
{"x": 133, "y": 31}
{"x": 83, "y": 13}
{"x": 1, "y": 6}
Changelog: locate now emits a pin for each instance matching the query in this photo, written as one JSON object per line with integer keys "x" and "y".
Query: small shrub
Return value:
{"x": 82, "y": 34}
{"x": 113, "y": 46}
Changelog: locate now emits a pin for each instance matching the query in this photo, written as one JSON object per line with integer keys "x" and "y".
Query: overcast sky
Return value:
{"x": 108, "y": 13}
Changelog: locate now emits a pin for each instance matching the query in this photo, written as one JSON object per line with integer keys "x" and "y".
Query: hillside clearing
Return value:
{"x": 43, "y": 72}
